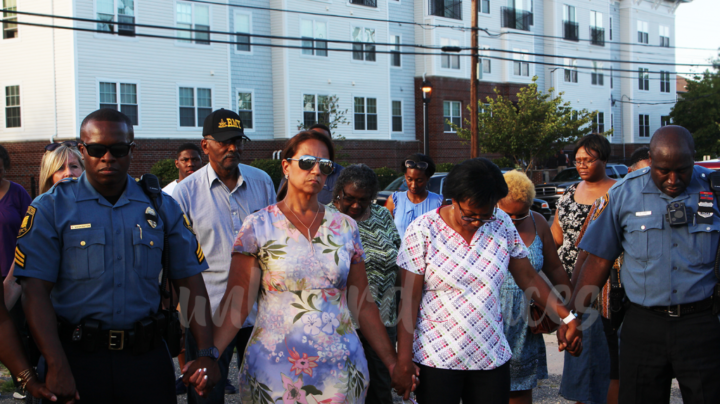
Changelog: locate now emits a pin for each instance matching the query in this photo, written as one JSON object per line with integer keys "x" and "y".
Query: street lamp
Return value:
{"x": 427, "y": 95}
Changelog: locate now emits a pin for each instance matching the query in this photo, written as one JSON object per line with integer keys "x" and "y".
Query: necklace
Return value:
{"x": 312, "y": 246}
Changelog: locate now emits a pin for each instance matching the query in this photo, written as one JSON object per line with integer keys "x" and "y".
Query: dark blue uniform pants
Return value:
{"x": 655, "y": 348}
{"x": 119, "y": 377}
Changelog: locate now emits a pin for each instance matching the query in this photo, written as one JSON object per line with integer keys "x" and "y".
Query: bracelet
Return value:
{"x": 25, "y": 376}
{"x": 572, "y": 316}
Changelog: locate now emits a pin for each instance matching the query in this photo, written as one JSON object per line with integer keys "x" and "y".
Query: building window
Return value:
{"x": 397, "y": 120}
{"x": 448, "y": 60}
{"x": 194, "y": 103}
{"x": 664, "y": 82}
{"x": 644, "y": 125}
{"x": 665, "y": 120}
{"x": 571, "y": 73}
{"x": 451, "y": 114}
{"x": 12, "y": 107}
{"x": 664, "y": 36}
{"x": 316, "y": 34}
{"x": 245, "y": 109}
{"x": 193, "y": 16}
{"x": 395, "y": 59}
{"x": 597, "y": 32}
{"x": 611, "y": 77}
{"x": 598, "y": 125}
{"x": 242, "y": 31}
{"x": 366, "y": 113}
{"x": 485, "y": 63}
{"x": 364, "y": 46}
{"x": 642, "y": 30}
{"x": 128, "y": 101}
{"x": 368, "y": 3}
{"x": 484, "y": 7}
{"x": 120, "y": 11}
{"x": 571, "y": 29}
{"x": 314, "y": 108}
{"x": 446, "y": 8}
{"x": 9, "y": 19}
{"x": 610, "y": 28}
{"x": 643, "y": 79}
{"x": 597, "y": 77}
{"x": 521, "y": 64}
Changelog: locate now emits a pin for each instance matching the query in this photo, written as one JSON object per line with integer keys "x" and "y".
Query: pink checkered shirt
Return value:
{"x": 459, "y": 324}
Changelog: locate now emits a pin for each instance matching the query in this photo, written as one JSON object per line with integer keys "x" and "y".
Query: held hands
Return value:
{"x": 405, "y": 378}
{"x": 570, "y": 337}
{"x": 39, "y": 390}
{"x": 203, "y": 373}
{"x": 59, "y": 380}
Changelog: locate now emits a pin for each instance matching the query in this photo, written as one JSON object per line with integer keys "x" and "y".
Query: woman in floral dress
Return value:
{"x": 308, "y": 265}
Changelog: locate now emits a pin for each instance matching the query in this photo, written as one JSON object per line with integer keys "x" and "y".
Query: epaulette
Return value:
{"x": 637, "y": 173}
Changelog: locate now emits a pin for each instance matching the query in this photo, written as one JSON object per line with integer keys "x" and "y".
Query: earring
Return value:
{"x": 286, "y": 176}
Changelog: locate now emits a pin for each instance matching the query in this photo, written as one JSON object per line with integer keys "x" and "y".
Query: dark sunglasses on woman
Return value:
{"x": 54, "y": 146}
{"x": 117, "y": 150}
{"x": 308, "y": 162}
{"x": 420, "y": 165}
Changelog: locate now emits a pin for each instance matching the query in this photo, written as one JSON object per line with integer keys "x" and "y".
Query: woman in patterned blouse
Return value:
{"x": 353, "y": 193}
{"x": 455, "y": 260}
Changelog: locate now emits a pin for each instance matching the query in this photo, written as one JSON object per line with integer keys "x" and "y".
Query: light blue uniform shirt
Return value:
{"x": 663, "y": 265}
{"x": 217, "y": 214}
{"x": 104, "y": 260}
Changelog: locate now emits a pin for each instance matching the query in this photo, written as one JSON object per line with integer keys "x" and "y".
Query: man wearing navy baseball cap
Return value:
{"x": 216, "y": 199}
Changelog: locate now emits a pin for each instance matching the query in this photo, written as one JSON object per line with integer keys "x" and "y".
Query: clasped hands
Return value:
{"x": 570, "y": 337}
{"x": 203, "y": 374}
{"x": 405, "y": 378}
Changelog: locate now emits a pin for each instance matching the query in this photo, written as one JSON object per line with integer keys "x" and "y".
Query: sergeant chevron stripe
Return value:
{"x": 19, "y": 258}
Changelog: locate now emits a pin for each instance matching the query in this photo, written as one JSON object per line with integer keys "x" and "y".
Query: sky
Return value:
{"x": 697, "y": 26}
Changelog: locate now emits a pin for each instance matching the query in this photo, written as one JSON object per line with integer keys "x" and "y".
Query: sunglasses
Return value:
{"x": 471, "y": 219}
{"x": 308, "y": 162}
{"x": 117, "y": 150}
{"x": 420, "y": 165}
{"x": 54, "y": 146}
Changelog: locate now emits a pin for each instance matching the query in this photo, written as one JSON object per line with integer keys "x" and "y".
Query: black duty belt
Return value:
{"x": 682, "y": 309}
{"x": 113, "y": 340}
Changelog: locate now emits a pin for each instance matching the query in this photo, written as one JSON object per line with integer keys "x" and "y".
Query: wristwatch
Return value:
{"x": 572, "y": 316}
{"x": 211, "y": 352}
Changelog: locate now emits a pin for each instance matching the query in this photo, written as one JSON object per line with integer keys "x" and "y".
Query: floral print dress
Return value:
{"x": 304, "y": 348}
{"x": 571, "y": 216}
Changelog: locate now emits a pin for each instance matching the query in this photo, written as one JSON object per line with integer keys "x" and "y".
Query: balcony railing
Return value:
{"x": 570, "y": 31}
{"x": 369, "y": 3}
{"x": 597, "y": 36}
{"x": 516, "y": 19}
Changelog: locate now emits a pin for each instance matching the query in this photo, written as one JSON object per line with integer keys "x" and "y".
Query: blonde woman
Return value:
{"x": 61, "y": 160}
{"x": 529, "y": 362}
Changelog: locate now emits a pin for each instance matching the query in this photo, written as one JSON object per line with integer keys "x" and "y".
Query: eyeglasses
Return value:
{"x": 117, "y": 150}
{"x": 54, "y": 146}
{"x": 237, "y": 141}
{"x": 520, "y": 218}
{"x": 420, "y": 165}
{"x": 585, "y": 163}
{"x": 351, "y": 200}
{"x": 308, "y": 162}
{"x": 471, "y": 219}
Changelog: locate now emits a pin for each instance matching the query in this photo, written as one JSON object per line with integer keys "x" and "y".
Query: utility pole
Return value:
{"x": 474, "y": 80}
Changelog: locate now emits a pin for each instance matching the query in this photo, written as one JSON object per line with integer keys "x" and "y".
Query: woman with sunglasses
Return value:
{"x": 354, "y": 191}
{"x": 308, "y": 264}
{"x": 586, "y": 379}
{"x": 417, "y": 200}
{"x": 61, "y": 160}
{"x": 529, "y": 362}
{"x": 455, "y": 260}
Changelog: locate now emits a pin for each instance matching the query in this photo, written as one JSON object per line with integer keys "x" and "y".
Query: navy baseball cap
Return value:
{"x": 223, "y": 125}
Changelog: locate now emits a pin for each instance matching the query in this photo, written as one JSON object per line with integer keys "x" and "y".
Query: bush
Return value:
{"x": 165, "y": 170}
{"x": 504, "y": 162}
{"x": 444, "y": 167}
{"x": 272, "y": 167}
{"x": 386, "y": 176}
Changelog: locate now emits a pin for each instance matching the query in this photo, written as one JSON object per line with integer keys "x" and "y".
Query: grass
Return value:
{"x": 7, "y": 386}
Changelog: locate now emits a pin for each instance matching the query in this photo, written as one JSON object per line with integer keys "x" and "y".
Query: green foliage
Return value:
{"x": 444, "y": 167}
{"x": 699, "y": 112}
{"x": 329, "y": 113}
{"x": 165, "y": 170}
{"x": 530, "y": 129}
{"x": 504, "y": 162}
{"x": 272, "y": 167}
{"x": 386, "y": 176}
{"x": 7, "y": 386}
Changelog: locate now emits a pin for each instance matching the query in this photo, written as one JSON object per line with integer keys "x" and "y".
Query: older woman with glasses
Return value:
{"x": 529, "y": 362}
{"x": 408, "y": 205}
{"x": 353, "y": 193}
{"x": 455, "y": 260}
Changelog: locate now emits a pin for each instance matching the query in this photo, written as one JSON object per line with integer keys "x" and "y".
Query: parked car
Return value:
{"x": 436, "y": 185}
{"x": 711, "y": 164}
{"x": 553, "y": 190}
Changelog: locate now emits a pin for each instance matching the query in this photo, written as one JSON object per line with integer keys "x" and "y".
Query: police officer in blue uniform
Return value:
{"x": 665, "y": 218}
{"x": 89, "y": 259}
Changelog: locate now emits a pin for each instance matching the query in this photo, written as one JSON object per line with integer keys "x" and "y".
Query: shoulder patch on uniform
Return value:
{"x": 27, "y": 222}
{"x": 187, "y": 224}
{"x": 19, "y": 257}
{"x": 601, "y": 203}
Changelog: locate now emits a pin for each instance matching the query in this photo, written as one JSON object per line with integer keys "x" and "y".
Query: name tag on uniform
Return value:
{"x": 80, "y": 226}
{"x": 646, "y": 213}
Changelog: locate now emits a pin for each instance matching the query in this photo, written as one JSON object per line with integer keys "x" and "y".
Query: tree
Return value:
{"x": 531, "y": 129}
{"x": 165, "y": 170}
{"x": 699, "y": 112}
{"x": 329, "y": 114}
